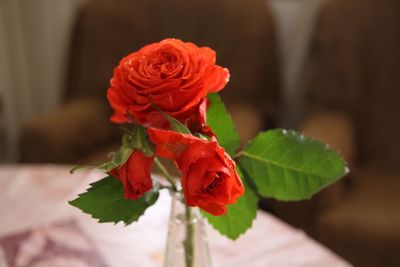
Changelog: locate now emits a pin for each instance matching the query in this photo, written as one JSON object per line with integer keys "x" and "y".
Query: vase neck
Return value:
{"x": 181, "y": 211}
{"x": 187, "y": 243}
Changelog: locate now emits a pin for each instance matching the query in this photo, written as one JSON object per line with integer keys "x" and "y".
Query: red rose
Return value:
{"x": 135, "y": 175}
{"x": 172, "y": 75}
{"x": 209, "y": 177}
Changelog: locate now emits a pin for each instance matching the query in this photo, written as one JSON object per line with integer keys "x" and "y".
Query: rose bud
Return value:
{"x": 170, "y": 75}
{"x": 135, "y": 175}
{"x": 209, "y": 177}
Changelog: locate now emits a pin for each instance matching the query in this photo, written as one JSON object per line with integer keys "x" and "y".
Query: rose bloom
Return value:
{"x": 209, "y": 177}
{"x": 135, "y": 175}
{"x": 170, "y": 75}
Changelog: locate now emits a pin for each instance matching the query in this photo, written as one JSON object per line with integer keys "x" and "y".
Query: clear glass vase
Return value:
{"x": 187, "y": 244}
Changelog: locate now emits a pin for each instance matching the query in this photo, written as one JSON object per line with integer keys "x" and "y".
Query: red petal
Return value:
{"x": 135, "y": 175}
{"x": 170, "y": 144}
{"x": 217, "y": 79}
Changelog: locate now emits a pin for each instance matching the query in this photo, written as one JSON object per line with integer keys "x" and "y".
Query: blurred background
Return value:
{"x": 330, "y": 68}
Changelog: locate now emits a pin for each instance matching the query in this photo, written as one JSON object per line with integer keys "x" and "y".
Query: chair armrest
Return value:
{"x": 66, "y": 134}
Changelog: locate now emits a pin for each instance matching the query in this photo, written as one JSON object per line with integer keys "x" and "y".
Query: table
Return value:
{"x": 39, "y": 229}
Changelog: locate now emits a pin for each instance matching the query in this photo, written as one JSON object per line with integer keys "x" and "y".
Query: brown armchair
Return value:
{"x": 240, "y": 31}
{"x": 354, "y": 107}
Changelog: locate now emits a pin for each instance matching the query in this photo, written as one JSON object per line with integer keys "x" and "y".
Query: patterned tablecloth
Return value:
{"x": 39, "y": 229}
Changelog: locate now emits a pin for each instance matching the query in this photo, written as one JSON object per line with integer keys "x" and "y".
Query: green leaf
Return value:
{"x": 220, "y": 121}
{"x": 118, "y": 158}
{"x": 139, "y": 140}
{"x": 105, "y": 201}
{"x": 136, "y": 140}
{"x": 288, "y": 166}
{"x": 176, "y": 125}
{"x": 239, "y": 217}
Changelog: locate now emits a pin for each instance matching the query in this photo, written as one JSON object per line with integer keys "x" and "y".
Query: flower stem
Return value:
{"x": 238, "y": 154}
{"x": 164, "y": 171}
{"x": 188, "y": 243}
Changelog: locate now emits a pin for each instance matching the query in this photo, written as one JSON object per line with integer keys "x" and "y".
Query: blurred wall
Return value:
{"x": 34, "y": 37}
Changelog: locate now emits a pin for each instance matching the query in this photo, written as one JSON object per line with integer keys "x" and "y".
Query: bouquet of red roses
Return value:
{"x": 167, "y": 95}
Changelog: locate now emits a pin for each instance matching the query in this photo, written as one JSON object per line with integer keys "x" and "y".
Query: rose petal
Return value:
{"x": 209, "y": 177}
{"x": 175, "y": 75}
{"x": 217, "y": 79}
{"x": 170, "y": 144}
{"x": 135, "y": 175}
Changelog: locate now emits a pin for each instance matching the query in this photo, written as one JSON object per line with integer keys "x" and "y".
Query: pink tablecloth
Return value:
{"x": 39, "y": 229}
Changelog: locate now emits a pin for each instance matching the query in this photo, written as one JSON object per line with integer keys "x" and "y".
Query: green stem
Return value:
{"x": 164, "y": 171}
{"x": 188, "y": 243}
{"x": 238, "y": 154}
